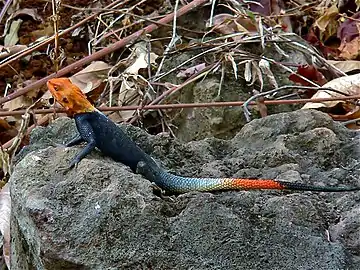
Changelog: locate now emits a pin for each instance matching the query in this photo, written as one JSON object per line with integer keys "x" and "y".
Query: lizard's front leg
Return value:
{"x": 75, "y": 141}
{"x": 83, "y": 153}
{"x": 86, "y": 133}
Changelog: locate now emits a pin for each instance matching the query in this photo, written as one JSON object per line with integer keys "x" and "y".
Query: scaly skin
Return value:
{"x": 99, "y": 131}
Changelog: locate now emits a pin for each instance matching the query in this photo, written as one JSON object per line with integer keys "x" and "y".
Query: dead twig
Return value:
{"x": 174, "y": 89}
{"x": 54, "y": 55}
{"x": 99, "y": 54}
{"x": 186, "y": 105}
{"x": 4, "y": 9}
{"x": 286, "y": 87}
{"x": 32, "y": 48}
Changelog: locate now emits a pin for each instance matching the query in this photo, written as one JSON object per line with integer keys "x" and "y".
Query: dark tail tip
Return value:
{"x": 304, "y": 187}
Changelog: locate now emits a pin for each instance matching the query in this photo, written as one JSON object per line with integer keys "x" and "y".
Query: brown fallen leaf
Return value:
{"x": 339, "y": 110}
{"x": 349, "y": 49}
{"x": 352, "y": 114}
{"x": 348, "y": 30}
{"x": 7, "y": 131}
{"x": 130, "y": 92}
{"x": 18, "y": 103}
{"x": 310, "y": 72}
{"x": 92, "y": 76}
{"x": 228, "y": 24}
{"x": 345, "y": 66}
{"x": 128, "y": 95}
{"x": 88, "y": 79}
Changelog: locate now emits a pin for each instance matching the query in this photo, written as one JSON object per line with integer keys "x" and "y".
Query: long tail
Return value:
{"x": 179, "y": 184}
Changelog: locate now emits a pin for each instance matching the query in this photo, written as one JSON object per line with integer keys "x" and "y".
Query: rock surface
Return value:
{"x": 102, "y": 216}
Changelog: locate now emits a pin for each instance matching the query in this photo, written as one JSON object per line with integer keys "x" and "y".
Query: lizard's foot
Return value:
{"x": 63, "y": 170}
{"x": 66, "y": 169}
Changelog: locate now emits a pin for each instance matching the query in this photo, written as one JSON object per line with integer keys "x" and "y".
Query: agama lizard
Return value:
{"x": 100, "y": 132}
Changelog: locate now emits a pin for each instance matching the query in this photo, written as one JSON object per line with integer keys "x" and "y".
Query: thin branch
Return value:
{"x": 186, "y": 105}
{"x": 32, "y": 48}
{"x": 286, "y": 87}
{"x": 4, "y": 9}
{"x": 99, "y": 54}
{"x": 174, "y": 39}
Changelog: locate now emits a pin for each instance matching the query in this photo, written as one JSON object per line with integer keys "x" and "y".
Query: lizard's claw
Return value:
{"x": 66, "y": 169}
{"x": 63, "y": 170}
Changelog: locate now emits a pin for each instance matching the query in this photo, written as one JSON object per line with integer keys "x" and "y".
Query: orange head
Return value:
{"x": 69, "y": 96}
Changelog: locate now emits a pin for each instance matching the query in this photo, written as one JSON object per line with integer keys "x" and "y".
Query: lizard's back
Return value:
{"x": 112, "y": 141}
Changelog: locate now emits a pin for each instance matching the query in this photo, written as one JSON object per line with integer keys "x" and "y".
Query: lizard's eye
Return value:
{"x": 65, "y": 100}
{"x": 55, "y": 87}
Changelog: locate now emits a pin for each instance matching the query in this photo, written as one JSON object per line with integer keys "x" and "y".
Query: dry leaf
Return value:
{"x": 247, "y": 71}
{"x": 87, "y": 79}
{"x": 5, "y": 162}
{"x": 5, "y": 209}
{"x": 10, "y": 50}
{"x": 129, "y": 89}
{"x": 7, "y": 131}
{"x": 257, "y": 75}
{"x": 313, "y": 39}
{"x": 323, "y": 21}
{"x": 345, "y": 66}
{"x": 348, "y": 30}
{"x": 12, "y": 37}
{"x": 327, "y": 22}
{"x": 92, "y": 76}
{"x": 27, "y": 12}
{"x": 228, "y": 24}
{"x": 41, "y": 34}
{"x": 349, "y": 85}
{"x": 18, "y": 103}
{"x": 139, "y": 58}
{"x": 191, "y": 71}
{"x": 264, "y": 66}
{"x": 349, "y": 50}
{"x": 264, "y": 7}
{"x": 31, "y": 94}
{"x": 309, "y": 72}
{"x": 252, "y": 73}
{"x": 23, "y": 101}
{"x": 230, "y": 58}
{"x": 128, "y": 95}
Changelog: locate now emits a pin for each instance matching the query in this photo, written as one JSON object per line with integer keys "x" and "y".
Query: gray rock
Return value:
{"x": 102, "y": 216}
